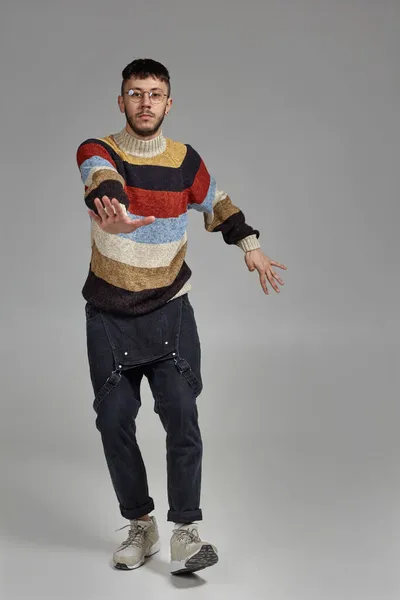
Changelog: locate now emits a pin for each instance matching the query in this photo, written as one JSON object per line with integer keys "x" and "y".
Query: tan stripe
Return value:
{"x": 222, "y": 211}
{"x": 103, "y": 175}
{"x": 135, "y": 254}
{"x": 135, "y": 279}
{"x": 172, "y": 157}
{"x": 111, "y": 174}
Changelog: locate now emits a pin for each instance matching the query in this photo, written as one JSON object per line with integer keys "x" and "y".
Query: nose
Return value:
{"x": 145, "y": 100}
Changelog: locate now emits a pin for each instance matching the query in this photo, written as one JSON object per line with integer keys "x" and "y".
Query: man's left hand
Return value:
{"x": 256, "y": 260}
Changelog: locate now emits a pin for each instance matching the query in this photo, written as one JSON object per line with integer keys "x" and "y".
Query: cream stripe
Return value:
{"x": 184, "y": 290}
{"x": 248, "y": 243}
{"x": 137, "y": 147}
{"x": 219, "y": 195}
{"x": 135, "y": 254}
{"x": 135, "y": 279}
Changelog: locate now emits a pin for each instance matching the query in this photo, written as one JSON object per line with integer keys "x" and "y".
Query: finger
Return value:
{"x": 109, "y": 208}
{"x": 279, "y": 280}
{"x": 136, "y": 223}
{"x": 100, "y": 208}
{"x": 263, "y": 282}
{"x": 272, "y": 281}
{"x": 118, "y": 208}
{"x": 94, "y": 216}
{"x": 277, "y": 264}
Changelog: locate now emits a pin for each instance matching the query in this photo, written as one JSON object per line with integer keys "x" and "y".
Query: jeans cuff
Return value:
{"x": 136, "y": 513}
{"x": 186, "y": 516}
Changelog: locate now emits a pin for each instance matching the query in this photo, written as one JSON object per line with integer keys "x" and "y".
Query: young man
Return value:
{"x": 138, "y": 187}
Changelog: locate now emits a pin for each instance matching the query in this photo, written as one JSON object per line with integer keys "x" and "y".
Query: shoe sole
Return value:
{"x": 125, "y": 567}
{"x": 205, "y": 557}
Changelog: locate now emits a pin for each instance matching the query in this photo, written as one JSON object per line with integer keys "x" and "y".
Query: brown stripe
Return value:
{"x": 109, "y": 298}
{"x": 135, "y": 279}
{"x": 103, "y": 175}
{"x": 222, "y": 211}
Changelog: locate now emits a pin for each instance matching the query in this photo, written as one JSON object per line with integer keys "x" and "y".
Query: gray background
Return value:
{"x": 294, "y": 105}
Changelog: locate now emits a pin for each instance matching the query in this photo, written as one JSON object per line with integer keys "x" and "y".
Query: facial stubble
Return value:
{"x": 144, "y": 131}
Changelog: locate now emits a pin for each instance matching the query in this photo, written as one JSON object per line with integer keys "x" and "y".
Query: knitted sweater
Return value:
{"x": 138, "y": 272}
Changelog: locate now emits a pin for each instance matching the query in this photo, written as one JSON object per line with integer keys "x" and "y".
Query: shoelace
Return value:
{"x": 135, "y": 535}
{"x": 187, "y": 535}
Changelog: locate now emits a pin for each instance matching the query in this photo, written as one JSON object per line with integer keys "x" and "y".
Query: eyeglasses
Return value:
{"x": 156, "y": 96}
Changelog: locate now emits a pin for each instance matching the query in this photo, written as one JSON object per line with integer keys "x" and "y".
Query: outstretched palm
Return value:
{"x": 112, "y": 219}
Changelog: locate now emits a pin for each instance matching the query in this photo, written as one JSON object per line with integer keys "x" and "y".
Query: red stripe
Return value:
{"x": 150, "y": 203}
{"x": 91, "y": 149}
{"x": 199, "y": 188}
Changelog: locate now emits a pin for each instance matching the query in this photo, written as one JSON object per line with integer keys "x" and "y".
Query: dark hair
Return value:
{"x": 143, "y": 68}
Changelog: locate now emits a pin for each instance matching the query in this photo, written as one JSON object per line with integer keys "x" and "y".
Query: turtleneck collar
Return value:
{"x": 143, "y": 148}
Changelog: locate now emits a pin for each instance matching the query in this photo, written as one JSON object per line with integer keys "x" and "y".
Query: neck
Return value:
{"x": 140, "y": 146}
{"x": 152, "y": 136}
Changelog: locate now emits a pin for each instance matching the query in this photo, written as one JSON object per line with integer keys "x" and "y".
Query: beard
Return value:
{"x": 144, "y": 130}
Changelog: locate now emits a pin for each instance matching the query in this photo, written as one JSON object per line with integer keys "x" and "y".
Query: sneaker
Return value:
{"x": 142, "y": 541}
{"x": 188, "y": 552}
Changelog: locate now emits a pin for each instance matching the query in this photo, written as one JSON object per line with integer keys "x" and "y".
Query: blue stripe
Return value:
{"x": 162, "y": 231}
{"x": 94, "y": 161}
{"x": 206, "y": 205}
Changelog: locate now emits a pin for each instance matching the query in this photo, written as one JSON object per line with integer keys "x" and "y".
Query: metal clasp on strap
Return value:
{"x": 182, "y": 365}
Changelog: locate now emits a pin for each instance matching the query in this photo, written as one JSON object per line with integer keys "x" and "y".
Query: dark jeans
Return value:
{"x": 163, "y": 346}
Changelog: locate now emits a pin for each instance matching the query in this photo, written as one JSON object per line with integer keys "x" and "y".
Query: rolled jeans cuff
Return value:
{"x": 184, "y": 517}
{"x": 136, "y": 513}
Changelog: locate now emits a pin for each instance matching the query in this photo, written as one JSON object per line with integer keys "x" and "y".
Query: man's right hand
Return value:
{"x": 112, "y": 219}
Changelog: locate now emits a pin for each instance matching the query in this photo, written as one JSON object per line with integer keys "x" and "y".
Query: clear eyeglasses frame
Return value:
{"x": 156, "y": 96}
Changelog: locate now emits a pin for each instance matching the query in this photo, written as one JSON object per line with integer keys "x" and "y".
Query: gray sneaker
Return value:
{"x": 143, "y": 540}
{"x": 188, "y": 552}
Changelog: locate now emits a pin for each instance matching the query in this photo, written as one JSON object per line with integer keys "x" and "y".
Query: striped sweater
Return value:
{"x": 138, "y": 272}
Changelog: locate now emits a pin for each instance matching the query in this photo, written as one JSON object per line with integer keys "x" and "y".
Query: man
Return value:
{"x": 139, "y": 187}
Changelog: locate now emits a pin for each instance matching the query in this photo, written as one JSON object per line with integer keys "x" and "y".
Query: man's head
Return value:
{"x": 145, "y": 96}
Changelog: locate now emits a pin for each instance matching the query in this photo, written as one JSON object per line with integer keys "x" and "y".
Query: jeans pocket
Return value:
{"x": 91, "y": 311}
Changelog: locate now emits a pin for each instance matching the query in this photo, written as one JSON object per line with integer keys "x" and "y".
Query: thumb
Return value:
{"x": 147, "y": 220}
{"x": 136, "y": 223}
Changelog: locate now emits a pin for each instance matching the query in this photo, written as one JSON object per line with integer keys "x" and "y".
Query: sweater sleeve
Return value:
{"x": 220, "y": 214}
{"x": 99, "y": 173}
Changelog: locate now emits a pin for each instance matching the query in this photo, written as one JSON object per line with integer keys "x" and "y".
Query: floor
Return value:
{"x": 301, "y": 498}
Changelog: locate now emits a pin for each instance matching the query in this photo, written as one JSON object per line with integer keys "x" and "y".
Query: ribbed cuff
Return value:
{"x": 137, "y": 147}
{"x": 249, "y": 243}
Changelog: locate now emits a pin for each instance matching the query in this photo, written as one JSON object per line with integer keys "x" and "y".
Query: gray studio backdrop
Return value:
{"x": 294, "y": 105}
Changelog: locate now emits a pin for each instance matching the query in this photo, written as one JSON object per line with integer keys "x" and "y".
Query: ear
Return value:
{"x": 121, "y": 104}
{"x": 168, "y": 106}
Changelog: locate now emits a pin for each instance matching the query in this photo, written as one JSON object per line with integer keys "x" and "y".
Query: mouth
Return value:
{"x": 145, "y": 116}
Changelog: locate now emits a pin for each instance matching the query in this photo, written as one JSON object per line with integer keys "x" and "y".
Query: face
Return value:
{"x": 144, "y": 118}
